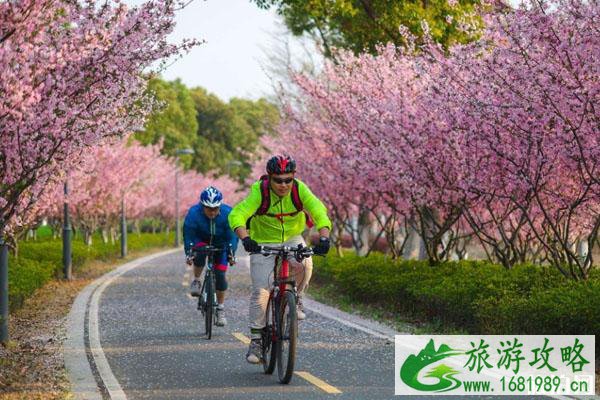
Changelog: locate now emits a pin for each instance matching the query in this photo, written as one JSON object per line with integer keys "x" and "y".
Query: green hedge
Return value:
{"x": 476, "y": 296}
{"x": 24, "y": 277}
{"x": 41, "y": 260}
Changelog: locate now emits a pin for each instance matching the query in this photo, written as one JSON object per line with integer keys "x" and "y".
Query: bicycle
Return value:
{"x": 280, "y": 333}
{"x": 207, "y": 300}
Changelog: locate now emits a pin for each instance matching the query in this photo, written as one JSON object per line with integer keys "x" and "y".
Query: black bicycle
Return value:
{"x": 281, "y": 331}
{"x": 207, "y": 301}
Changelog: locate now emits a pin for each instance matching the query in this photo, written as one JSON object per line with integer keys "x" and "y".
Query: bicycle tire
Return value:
{"x": 208, "y": 315}
{"x": 269, "y": 353}
{"x": 201, "y": 304}
{"x": 287, "y": 322}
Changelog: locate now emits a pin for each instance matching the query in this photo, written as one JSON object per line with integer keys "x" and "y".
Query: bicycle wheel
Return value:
{"x": 201, "y": 302}
{"x": 269, "y": 355}
{"x": 287, "y": 322}
{"x": 208, "y": 315}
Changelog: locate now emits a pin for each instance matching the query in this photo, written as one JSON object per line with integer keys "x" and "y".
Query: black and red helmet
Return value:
{"x": 281, "y": 164}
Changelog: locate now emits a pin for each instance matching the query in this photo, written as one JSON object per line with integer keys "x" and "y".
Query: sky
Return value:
{"x": 229, "y": 63}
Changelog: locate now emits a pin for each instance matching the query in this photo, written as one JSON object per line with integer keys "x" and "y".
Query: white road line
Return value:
{"x": 371, "y": 327}
{"x": 110, "y": 382}
{"x": 106, "y": 375}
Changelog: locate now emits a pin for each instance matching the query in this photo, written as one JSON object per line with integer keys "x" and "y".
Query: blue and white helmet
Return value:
{"x": 211, "y": 197}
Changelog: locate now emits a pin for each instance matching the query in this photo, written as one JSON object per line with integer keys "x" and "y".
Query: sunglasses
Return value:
{"x": 281, "y": 181}
{"x": 211, "y": 208}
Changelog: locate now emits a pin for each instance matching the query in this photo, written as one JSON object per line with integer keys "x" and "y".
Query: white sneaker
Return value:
{"x": 221, "y": 320}
{"x": 300, "y": 310}
{"x": 195, "y": 287}
{"x": 254, "y": 354}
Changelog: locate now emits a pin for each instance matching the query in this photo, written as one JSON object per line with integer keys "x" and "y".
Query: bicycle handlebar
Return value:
{"x": 299, "y": 252}
{"x": 210, "y": 249}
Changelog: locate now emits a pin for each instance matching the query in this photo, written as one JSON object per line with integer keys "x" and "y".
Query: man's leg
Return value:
{"x": 196, "y": 285}
{"x": 221, "y": 286}
{"x": 302, "y": 274}
{"x": 260, "y": 272}
{"x": 221, "y": 297}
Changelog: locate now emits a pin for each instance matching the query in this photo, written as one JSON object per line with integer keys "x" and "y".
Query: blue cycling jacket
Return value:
{"x": 197, "y": 227}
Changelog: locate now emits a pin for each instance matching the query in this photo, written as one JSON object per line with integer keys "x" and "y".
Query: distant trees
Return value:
{"x": 224, "y": 136}
{"x": 362, "y": 25}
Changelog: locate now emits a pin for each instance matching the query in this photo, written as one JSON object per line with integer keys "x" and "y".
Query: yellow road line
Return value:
{"x": 324, "y": 386}
{"x": 321, "y": 384}
{"x": 241, "y": 337}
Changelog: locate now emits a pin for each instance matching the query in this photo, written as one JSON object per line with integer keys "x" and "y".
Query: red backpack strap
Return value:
{"x": 296, "y": 197}
{"x": 265, "y": 199}
{"x": 265, "y": 195}
{"x": 298, "y": 204}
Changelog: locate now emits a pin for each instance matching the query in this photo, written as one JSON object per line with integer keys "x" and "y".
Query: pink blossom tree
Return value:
{"x": 498, "y": 138}
{"x": 72, "y": 76}
{"x": 528, "y": 96}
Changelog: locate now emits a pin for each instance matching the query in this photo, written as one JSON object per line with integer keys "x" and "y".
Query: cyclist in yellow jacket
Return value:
{"x": 276, "y": 211}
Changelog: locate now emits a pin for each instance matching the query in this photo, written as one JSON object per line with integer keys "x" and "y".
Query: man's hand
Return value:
{"x": 322, "y": 247}
{"x": 250, "y": 245}
{"x": 231, "y": 259}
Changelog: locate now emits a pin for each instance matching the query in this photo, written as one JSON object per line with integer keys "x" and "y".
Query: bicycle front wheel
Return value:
{"x": 287, "y": 334}
{"x": 269, "y": 353}
{"x": 208, "y": 315}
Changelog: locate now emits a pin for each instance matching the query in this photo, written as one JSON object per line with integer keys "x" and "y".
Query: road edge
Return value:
{"x": 84, "y": 384}
{"x": 383, "y": 331}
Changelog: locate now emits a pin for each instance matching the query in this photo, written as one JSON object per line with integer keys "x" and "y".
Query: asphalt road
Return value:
{"x": 151, "y": 335}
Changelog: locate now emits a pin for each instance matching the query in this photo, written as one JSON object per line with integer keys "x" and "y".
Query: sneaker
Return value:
{"x": 221, "y": 320}
{"x": 300, "y": 310}
{"x": 195, "y": 287}
{"x": 254, "y": 354}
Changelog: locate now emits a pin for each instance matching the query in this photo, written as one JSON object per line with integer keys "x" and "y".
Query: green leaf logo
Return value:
{"x": 409, "y": 371}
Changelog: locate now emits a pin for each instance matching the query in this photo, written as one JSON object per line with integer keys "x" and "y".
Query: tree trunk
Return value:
{"x": 113, "y": 235}
{"x": 414, "y": 247}
{"x": 363, "y": 227}
{"x": 87, "y": 237}
{"x": 104, "y": 236}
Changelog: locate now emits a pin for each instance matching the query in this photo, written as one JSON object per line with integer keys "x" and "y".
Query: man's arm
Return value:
{"x": 241, "y": 232}
{"x": 232, "y": 239}
{"x": 324, "y": 232}
{"x": 189, "y": 232}
{"x": 316, "y": 209}
{"x": 244, "y": 210}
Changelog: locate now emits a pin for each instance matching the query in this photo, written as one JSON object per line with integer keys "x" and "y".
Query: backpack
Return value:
{"x": 266, "y": 203}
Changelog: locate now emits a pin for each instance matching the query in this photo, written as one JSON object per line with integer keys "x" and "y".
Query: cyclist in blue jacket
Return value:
{"x": 207, "y": 223}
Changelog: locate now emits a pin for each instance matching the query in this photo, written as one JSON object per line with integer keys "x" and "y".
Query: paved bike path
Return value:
{"x": 151, "y": 335}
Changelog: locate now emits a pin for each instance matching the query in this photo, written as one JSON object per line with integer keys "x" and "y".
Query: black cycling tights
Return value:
{"x": 221, "y": 282}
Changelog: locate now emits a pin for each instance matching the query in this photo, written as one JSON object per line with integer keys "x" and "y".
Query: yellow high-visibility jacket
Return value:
{"x": 271, "y": 229}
